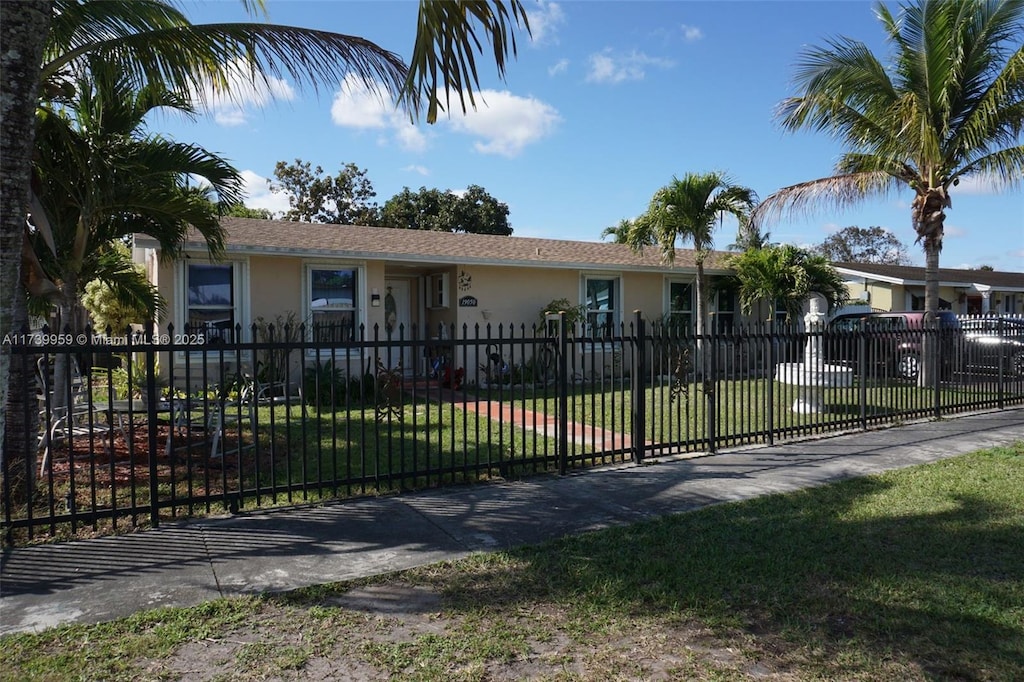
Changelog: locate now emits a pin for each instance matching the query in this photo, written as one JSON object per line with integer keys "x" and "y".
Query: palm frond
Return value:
{"x": 837, "y": 191}
{"x": 443, "y": 56}
{"x": 151, "y": 43}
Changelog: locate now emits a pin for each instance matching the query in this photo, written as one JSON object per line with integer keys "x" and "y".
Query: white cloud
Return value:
{"x": 414, "y": 168}
{"x": 357, "y": 106}
{"x": 257, "y": 191}
{"x": 559, "y": 67}
{"x": 691, "y": 33}
{"x": 608, "y": 67}
{"x": 953, "y": 231}
{"x": 230, "y": 106}
{"x": 506, "y": 123}
{"x": 545, "y": 20}
{"x": 831, "y": 227}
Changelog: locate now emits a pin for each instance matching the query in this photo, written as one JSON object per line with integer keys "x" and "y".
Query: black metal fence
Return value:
{"x": 136, "y": 430}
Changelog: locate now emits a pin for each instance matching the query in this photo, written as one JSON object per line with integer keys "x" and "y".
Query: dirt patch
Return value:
{"x": 342, "y": 636}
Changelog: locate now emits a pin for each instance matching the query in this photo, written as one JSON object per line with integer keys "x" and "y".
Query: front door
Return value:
{"x": 398, "y": 318}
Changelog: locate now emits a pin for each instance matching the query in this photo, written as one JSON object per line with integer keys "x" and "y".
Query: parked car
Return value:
{"x": 892, "y": 342}
{"x": 994, "y": 343}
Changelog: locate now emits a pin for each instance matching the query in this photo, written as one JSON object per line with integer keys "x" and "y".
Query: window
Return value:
{"x": 333, "y": 301}
{"x": 725, "y": 317}
{"x": 601, "y": 301}
{"x": 211, "y": 301}
{"x": 680, "y": 307}
{"x": 781, "y": 314}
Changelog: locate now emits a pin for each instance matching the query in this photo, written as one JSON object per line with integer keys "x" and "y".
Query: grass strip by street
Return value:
{"x": 915, "y": 574}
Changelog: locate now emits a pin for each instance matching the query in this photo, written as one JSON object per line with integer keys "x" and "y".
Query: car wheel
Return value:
{"x": 1016, "y": 365}
{"x": 908, "y": 366}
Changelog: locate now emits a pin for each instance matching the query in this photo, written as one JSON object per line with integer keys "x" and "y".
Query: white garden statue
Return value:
{"x": 813, "y": 376}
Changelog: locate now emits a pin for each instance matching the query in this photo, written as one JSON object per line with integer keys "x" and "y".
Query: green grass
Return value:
{"x": 744, "y": 407}
{"x": 916, "y": 574}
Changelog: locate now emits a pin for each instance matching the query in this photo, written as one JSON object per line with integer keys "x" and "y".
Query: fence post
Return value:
{"x": 862, "y": 370}
{"x": 639, "y": 392}
{"x": 152, "y": 396}
{"x": 1000, "y": 376}
{"x": 710, "y": 384}
{"x": 563, "y": 394}
{"x": 936, "y": 345}
{"x": 773, "y": 342}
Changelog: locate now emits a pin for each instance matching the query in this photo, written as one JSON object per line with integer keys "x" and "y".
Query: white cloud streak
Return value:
{"x": 546, "y": 18}
{"x": 559, "y": 67}
{"x": 691, "y": 34}
{"x": 609, "y": 67}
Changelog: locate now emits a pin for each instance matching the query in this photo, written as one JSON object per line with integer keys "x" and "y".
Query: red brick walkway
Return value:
{"x": 587, "y": 435}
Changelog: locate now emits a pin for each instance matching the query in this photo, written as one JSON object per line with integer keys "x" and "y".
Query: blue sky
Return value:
{"x": 605, "y": 104}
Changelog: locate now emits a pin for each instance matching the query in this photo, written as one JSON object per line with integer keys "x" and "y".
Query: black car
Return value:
{"x": 992, "y": 344}
{"x": 890, "y": 344}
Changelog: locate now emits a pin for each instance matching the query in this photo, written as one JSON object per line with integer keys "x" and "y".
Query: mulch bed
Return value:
{"x": 103, "y": 460}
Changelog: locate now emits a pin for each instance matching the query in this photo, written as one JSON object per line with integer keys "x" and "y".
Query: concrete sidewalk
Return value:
{"x": 188, "y": 563}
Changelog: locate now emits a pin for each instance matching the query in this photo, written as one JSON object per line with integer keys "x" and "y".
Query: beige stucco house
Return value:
{"x": 965, "y": 292}
{"x": 337, "y": 275}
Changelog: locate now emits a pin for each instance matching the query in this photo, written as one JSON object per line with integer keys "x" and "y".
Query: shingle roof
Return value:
{"x": 992, "y": 278}
{"x": 247, "y": 235}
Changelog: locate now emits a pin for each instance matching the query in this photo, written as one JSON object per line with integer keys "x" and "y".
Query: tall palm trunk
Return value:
{"x": 929, "y": 217}
{"x": 702, "y": 317}
{"x": 24, "y": 26}
{"x": 702, "y": 298}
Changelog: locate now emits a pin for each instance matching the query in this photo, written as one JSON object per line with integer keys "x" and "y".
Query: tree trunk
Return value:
{"x": 702, "y": 317}
{"x": 24, "y": 26}
{"x": 929, "y": 222}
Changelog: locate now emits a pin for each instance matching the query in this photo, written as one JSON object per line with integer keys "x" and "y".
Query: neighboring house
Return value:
{"x": 900, "y": 287}
{"x": 335, "y": 276}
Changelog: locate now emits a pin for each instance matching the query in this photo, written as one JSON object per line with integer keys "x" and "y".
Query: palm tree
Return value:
{"x": 749, "y": 236}
{"x": 99, "y": 177}
{"x": 949, "y": 105}
{"x": 689, "y": 209}
{"x": 620, "y": 233}
{"x": 785, "y": 275}
{"x": 155, "y": 45}
{"x": 23, "y": 30}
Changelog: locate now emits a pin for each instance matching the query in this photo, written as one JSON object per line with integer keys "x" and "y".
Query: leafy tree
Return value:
{"x": 949, "y": 105}
{"x": 477, "y": 212}
{"x": 243, "y": 211}
{"x": 474, "y": 211}
{"x": 345, "y": 199}
{"x": 864, "y": 245}
{"x": 423, "y": 210}
{"x": 689, "y": 209}
{"x": 785, "y": 275}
